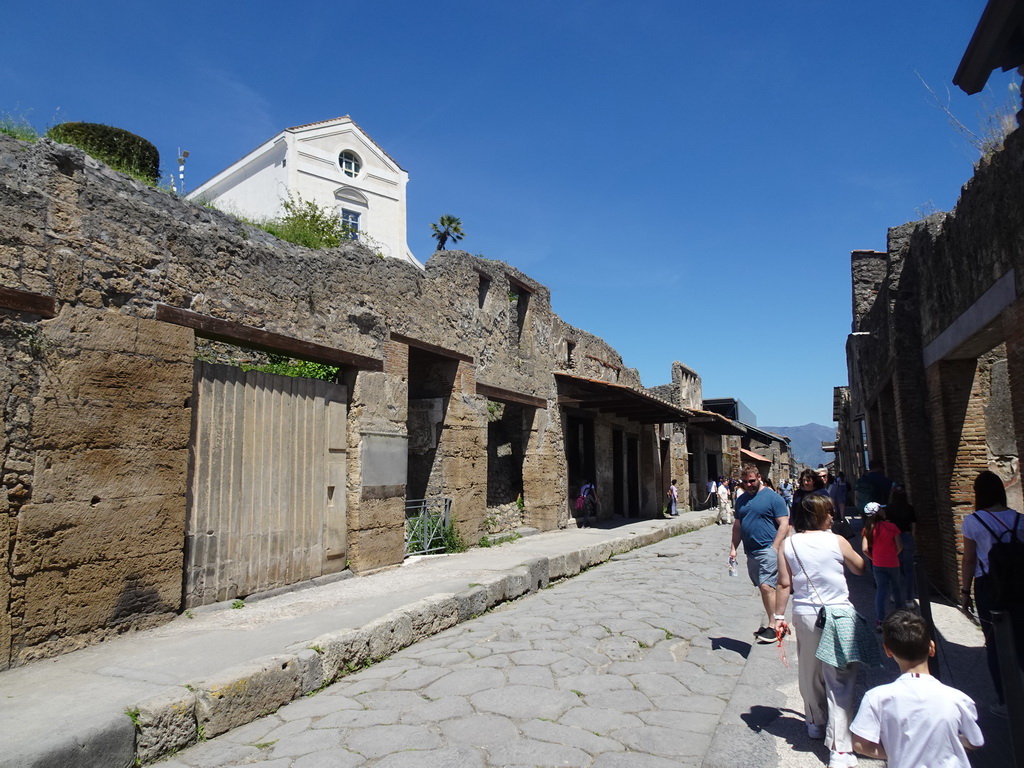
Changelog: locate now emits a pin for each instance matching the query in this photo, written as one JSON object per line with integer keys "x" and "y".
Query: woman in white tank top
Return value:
{"x": 811, "y": 566}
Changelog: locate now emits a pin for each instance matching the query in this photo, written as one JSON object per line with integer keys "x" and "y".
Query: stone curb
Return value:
{"x": 182, "y": 715}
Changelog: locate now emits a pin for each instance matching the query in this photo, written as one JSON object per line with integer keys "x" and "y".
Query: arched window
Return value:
{"x": 350, "y": 163}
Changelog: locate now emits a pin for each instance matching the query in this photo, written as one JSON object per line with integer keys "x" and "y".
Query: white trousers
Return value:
{"x": 827, "y": 692}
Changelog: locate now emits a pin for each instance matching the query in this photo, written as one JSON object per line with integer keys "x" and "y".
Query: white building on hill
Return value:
{"x": 333, "y": 163}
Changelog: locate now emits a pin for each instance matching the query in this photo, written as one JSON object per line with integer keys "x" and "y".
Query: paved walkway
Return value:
{"x": 644, "y": 661}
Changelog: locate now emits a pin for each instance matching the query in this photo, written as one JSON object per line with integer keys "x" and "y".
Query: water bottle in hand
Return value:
{"x": 732, "y": 566}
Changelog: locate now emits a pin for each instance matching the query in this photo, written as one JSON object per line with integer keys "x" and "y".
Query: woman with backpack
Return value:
{"x": 993, "y": 523}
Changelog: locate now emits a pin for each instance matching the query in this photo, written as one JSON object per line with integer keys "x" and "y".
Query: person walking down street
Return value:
{"x": 786, "y": 492}
{"x": 809, "y": 482}
{"x": 902, "y": 515}
{"x": 762, "y": 522}
{"x": 880, "y": 542}
{"x": 915, "y": 720}
{"x": 588, "y": 492}
{"x": 810, "y": 565}
{"x": 992, "y": 521}
{"x": 712, "y": 489}
{"x": 838, "y": 491}
{"x": 873, "y": 485}
{"x": 724, "y": 503}
{"x": 673, "y": 499}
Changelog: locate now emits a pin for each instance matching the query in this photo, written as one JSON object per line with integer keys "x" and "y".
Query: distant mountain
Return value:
{"x": 805, "y": 442}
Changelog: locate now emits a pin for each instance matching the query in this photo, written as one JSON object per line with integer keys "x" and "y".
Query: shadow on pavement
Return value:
{"x": 786, "y": 725}
{"x": 730, "y": 644}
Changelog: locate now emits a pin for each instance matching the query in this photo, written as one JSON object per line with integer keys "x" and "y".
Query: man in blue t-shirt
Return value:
{"x": 762, "y": 522}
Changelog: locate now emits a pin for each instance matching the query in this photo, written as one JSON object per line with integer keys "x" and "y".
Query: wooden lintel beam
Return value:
{"x": 25, "y": 301}
{"x": 266, "y": 341}
{"x": 501, "y": 394}
{"x": 433, "y": 348}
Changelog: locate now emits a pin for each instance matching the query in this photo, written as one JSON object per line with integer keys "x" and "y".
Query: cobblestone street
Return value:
{"x": 638, "y": 663}
{"x": 629, "y": 664}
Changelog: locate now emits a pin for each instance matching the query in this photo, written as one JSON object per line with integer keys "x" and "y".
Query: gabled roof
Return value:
{"x": 338, "y": 120}
{"x": 240, "y": 162}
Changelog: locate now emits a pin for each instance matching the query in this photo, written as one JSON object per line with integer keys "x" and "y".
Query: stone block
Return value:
{"x": 165, "y": 723}
{"x": 496, "y": 588}
{"x": 110, "y": 473}
{"x": 93, "y": 375}
{"x": 388, "y": 634}
{"x": 63, "y": 424}
{"x": 60, "y": 605}
{"x": 312, "y": 668}
{"x": 539, "y": 570}
{"x": 595, "y": 554}
{"x": 341, "y": 652}
{"x": 241, "y": 694}
{"x": 53, "y": 536}
{"x": 620, "y": 545}
{"x": 646, "y": 539}
{"x": 432, "y": 615}
{"x": 376, "y": 548}
{"x": 564, "y": 566}
{"x": 371, "y": 513}
{"x": 517, "y": 583}
{"x": 109, "y": 331}
{"x": 472, "y": 603}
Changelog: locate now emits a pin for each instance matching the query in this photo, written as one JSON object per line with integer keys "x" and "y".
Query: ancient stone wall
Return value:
{"x": 932, "y": 366}
{"x": 96, "y": 399}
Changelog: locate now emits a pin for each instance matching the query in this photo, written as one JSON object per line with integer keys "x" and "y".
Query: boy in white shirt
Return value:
{"x": 916, "y": 720}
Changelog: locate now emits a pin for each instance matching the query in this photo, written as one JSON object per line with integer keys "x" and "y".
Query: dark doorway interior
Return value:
{"x": 579, "y": 452}
{"x": 713, "y": 472}
{"x": 618, "y": 476}
{"x": 506, "y": 442}
{"x": 431, "y": 379}
{"x": 633, "y": 476}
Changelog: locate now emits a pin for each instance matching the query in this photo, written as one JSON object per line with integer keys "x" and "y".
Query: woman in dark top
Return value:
{"x": 809, "y": 482}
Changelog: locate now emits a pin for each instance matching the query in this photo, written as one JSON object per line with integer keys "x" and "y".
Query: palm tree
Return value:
{"x": 447, "y": 228}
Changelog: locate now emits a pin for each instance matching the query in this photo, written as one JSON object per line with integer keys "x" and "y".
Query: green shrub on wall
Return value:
{"x": 121, "y": 150}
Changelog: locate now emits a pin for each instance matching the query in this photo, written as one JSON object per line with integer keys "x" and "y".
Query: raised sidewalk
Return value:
{"x": 149, "y": 693}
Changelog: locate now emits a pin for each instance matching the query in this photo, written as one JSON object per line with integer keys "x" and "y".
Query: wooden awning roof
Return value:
{"x": 755, "y": 456}
{"x": 715, "y": 422}
{"x": 997, "y": 43}
{"x": 622, "y": 401}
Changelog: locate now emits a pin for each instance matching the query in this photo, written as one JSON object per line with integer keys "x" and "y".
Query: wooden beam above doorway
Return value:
{"x": 266, "y": 341}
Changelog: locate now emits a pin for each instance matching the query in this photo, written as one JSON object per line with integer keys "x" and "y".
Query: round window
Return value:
{"x": 350, "y": 163}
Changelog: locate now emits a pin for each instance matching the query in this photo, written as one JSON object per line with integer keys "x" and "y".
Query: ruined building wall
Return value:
{"x": 936, "y": 362}
{"x": 97, "y": 397}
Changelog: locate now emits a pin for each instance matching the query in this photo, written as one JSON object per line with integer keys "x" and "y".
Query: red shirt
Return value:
{"x": 883, "y": 544}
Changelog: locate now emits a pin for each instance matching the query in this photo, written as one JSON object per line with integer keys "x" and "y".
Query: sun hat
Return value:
{"x": 873, "y": 508}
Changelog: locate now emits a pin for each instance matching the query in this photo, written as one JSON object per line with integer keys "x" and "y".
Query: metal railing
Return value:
{"x": 425, "y": 523}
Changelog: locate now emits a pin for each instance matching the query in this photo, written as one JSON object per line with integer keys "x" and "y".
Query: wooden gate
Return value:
{"x": 267, "y": 505}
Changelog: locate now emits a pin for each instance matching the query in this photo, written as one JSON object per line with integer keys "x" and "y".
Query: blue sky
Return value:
{"x": 688, "y": 180}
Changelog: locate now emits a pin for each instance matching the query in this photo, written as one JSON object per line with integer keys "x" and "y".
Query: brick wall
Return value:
{"x": 941, "y": 426}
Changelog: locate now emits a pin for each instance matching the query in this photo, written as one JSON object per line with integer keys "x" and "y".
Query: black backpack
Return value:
{"x": 1006, "y": 567}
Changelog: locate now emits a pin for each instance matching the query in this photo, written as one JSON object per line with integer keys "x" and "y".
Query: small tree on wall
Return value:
{"x": 447, "y": 228}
